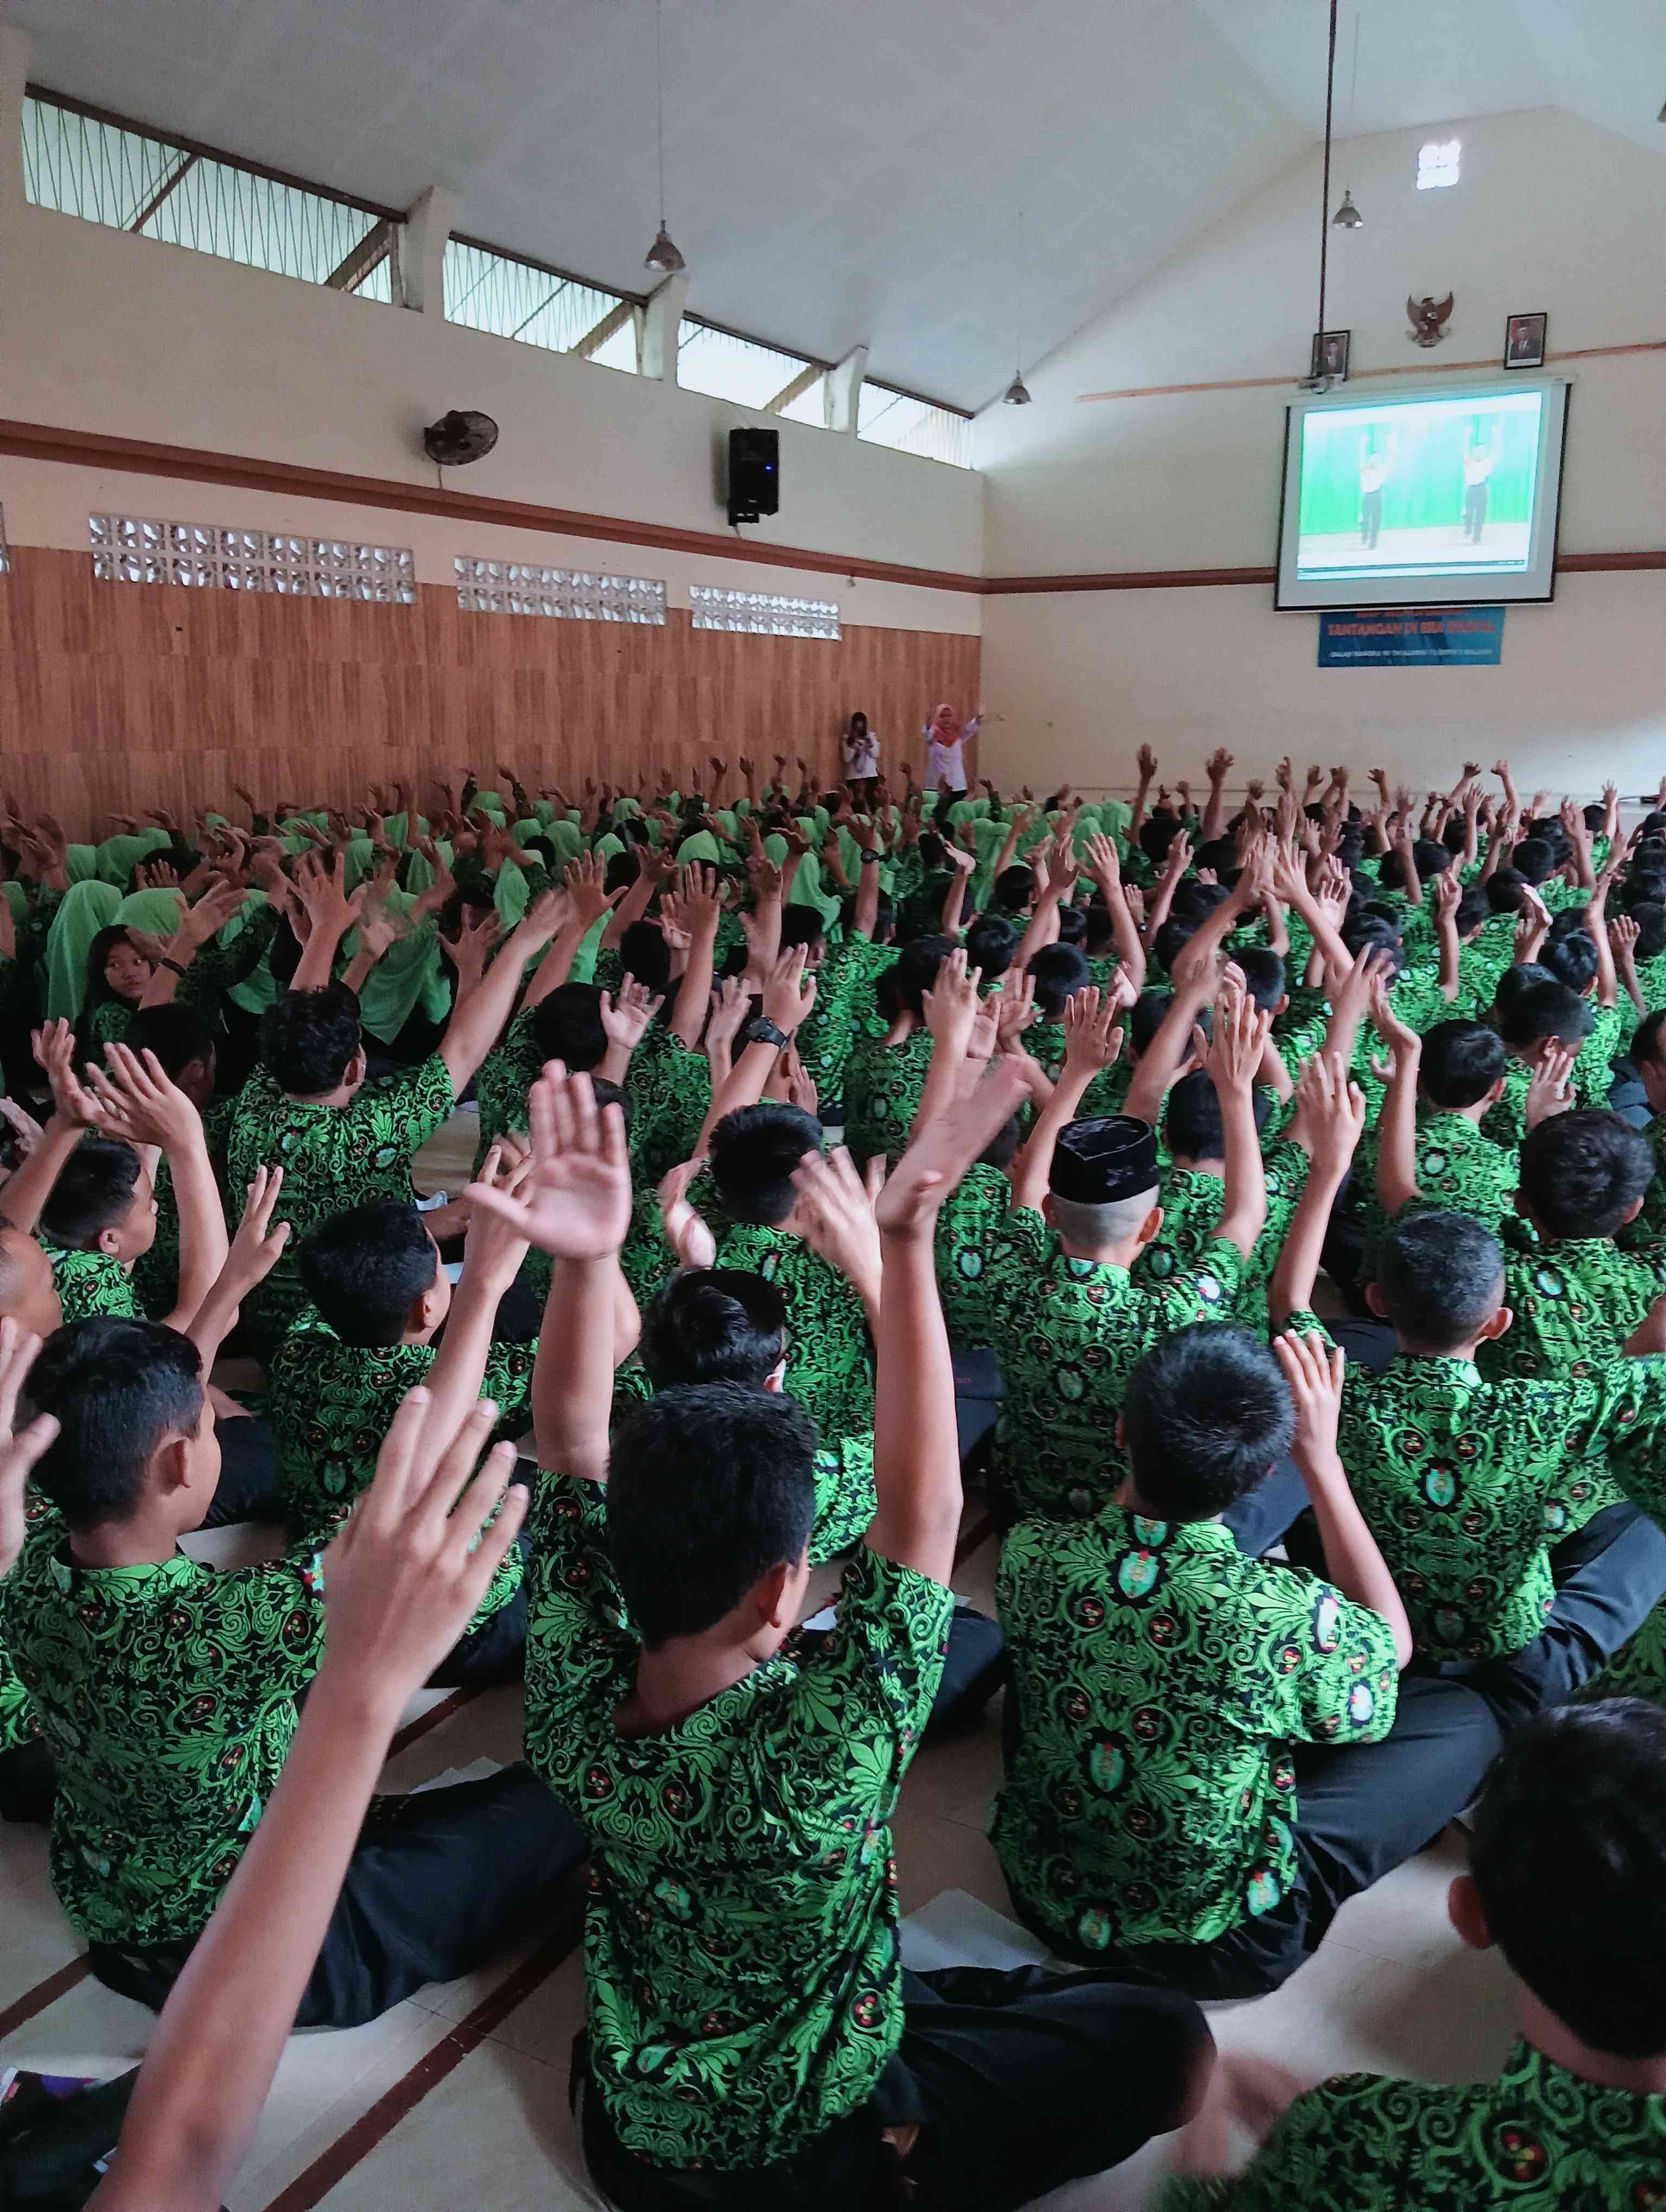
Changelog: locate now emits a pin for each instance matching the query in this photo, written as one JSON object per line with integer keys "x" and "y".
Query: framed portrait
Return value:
{"x": 1524, "y": 341}
{"x": 1330, "y": 355}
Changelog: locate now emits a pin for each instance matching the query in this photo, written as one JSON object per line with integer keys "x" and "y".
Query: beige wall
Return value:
{"x": 1553, "y": 214}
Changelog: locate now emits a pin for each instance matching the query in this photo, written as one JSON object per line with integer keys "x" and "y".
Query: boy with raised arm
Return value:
{"x": 751, "y": 2037}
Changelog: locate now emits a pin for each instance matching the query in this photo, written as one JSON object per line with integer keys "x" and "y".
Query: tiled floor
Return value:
{"x": 1391, "y": 1989}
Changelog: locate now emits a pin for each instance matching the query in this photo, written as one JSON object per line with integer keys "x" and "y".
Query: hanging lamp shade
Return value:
{"x": 1348, "y": 217}
{"x": 1016, "y": 393}
{"x": 663, "y": 256}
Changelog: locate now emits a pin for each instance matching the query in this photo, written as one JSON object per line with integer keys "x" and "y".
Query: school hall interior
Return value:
{"x": 601, "y": 405}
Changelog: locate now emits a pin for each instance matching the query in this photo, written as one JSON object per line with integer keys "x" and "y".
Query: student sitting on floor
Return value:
{"x": 1444, "y": 1085}
{"x": 1575, "y": 1810}
{"x": 751, "y": 2038}
{"x": 168, "y": 1694}
{"x": 1209, "y": 1753}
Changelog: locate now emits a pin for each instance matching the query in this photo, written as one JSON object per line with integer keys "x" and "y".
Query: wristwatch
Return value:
{"x": 762, "y": 1030}
{"x": 868, "y": 854}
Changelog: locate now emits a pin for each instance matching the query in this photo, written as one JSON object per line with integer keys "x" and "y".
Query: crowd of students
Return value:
{"x": 1279, "y": 1596}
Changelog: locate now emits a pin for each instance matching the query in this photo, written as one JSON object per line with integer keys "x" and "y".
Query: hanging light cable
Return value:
{"x": 662, "y": 255}
{"x": 1348, "y": 217}
{"x": 1016, "y": 393}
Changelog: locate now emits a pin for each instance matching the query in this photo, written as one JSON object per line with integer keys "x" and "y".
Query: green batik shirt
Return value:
{"x": 156, "y": 1273}
{"x": 968, "y": 1229}
{"x": 846, "y": 1500}
{"x": 332, "y": 1158}
{"x": 1459, "y": 1170}
{"x": 94, "y": 1282}
{"x": 1191, "y": 1200}
{"x": 1539, "y": 2139}
{"x": 1466, "y": 1482}
{"x": 742, "y": 1988}
{"x": 505, "y": 1077}
{"x": 883, "y": 1091}
{"x": 18, "y": 1723}
{"x": 1069, "y": 1332}
{"x": 166, "y": 1693}
{"x": 330, "y": 1406}
{"x": 1161, "y": 1677}
{"x": 844, "y": 995}
{"x": 1649, "y": 1226}
{"x": 670, "y": 1090}
{"x": 107, "y": 1023}
{"x": 1505, "y": 1121}
{"x": 1576, "y": 1303}
{"x": 829, "y": 1364}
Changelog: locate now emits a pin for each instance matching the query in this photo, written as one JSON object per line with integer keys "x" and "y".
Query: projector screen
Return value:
{"x": 1442, "y": 500}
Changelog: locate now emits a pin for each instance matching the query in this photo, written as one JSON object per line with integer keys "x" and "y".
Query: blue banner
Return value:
{"x": 1411, "y": 637}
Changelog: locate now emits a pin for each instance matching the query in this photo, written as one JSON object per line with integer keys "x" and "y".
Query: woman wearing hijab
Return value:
{"x": 946, "y": 737}
{"x": 860, "y": 747}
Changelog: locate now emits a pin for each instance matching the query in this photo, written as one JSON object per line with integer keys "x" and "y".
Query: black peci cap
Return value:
{"x": 1103, "y": 1159}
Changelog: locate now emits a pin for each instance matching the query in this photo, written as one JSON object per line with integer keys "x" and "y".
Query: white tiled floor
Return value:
{"x": 1391, "y": 1990}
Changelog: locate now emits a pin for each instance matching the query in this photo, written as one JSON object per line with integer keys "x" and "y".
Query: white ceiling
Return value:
{"x": 838, "y": 175}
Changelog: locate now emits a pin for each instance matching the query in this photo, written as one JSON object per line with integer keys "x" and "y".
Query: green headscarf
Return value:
{"x": 406, "y": 974}
{"x": 81, "y": 863}
{"x": 157, "y": 911}
{"x": 88, "y": 906}
{"x": 117, "y": 857}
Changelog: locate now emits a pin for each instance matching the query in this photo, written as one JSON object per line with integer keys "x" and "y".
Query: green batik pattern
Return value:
{"x": 967, "y": 1229}
{"x": 1576, "y": 1303}
{"x": 1539, "y": 2139}
{"x": 18, "y": 1722}
{"x": 156, "y": 1273}
{"x": 1191, "y": 1200}
{"x": 1466, "y": 1482}
{"x": 218, "y": 968}
{"x": 94, "y": 1282}
{"x": 502, "y": 1082}
{"x": 332, "y": 1404}
{"x": 829, "y": 1369}
{"x": 1505, "y": 1120}
{"x": 1458, "y": 1169}
{"x": 1649, "y": 1226}
{"x": 1161, "y": 1677}
{"x": 743, "y": 1987}
{"x": 332, "y": 1158}
{"x": 166, "y": 1693}
{"x": 844, "y": 991}
{"x": 1069, "y": 1332}
{"x": 882, "y": 1093}
{"x": 108, "y": 1024}
{"x": 670, "y": 1090}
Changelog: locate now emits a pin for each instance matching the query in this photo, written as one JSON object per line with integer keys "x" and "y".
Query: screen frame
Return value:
{"x": 1534, "y": 586}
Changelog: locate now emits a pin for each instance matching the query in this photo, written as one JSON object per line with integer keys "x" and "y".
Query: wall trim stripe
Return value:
{"x": 135, "y": 456}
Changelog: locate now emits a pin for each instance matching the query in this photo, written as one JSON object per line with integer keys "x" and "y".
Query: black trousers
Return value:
{"x": 1019, "y": 2081}
{"x": 438, "y": 1883}
{"x": 1370, "y": 517}
{"x": 495, "y": 1651}
{"x": 1361, "y": 1810}
{"x": 1475, "y": 512}
{"x": 247, "y": 1488}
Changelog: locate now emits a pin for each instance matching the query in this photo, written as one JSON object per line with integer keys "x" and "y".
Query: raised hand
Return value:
{"x": 1332, "y": 1110}
{"x": 625, "y": 1021}
{"x": 1146, "y": 761}
{"x": 952, "y": 1004}
{"x": 54, "y": 1045}
{"x": 259, "y": 1244}
{"x": 136, "y": 1100}
{"x": 575, "y": 1201}
{"x": 318, "y": 885}
{"x": 1017, "y": 1011}
{"x": 19, "y": 1449}
{"x": 907, "y": 1206}
{"x": 833, "y": 1212}
{"x": 1237, "y": 1041}
{"x": 1092, "y": 1040}
{"x": 1219, "y": 762}
{"x": 788, "y": 993}
{"x": 469, "y": 950}
{"x": 1315, "y": 1372}
{"x": 1549, "y": 1090}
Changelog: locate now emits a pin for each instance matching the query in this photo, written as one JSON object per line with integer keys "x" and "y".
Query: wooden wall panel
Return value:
{"x": 120, "y": 697}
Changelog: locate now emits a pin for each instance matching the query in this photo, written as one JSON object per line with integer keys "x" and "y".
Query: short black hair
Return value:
{"x": 644, "y": 953}
{"x": 1534, "y": 858}
{"x": 364, "y": 1268}
{"x": 94, "y": 1188}
{"x": 1205, "y": 1414}
{"x": 714, "y": 1325}
{"x": 177, "y": 1034}
{"x": 1002, "y": 1148}
{"x": 1263, "y": 973}
{"x": 1013, "y": 888}
{"x": 1650, "y": 916}
{"x": 709, "y": 1487}
{"x": 991, "y": 943}
{"x": 1058, "y": 972}
{"x": 1191, "y": 1119}
{"x": 1472, "y": 910}
{"x": 1583, "y": 1173}
{"x": 1365, "y": 931}
{"x": 116, "y": 1388}
{"x": 1101, "y": 935}
{"x": 1073, "y": 925}
{"x": 1504, "y": 888}
{"x": 308, "y": 1038}
{"x": 754, "y": 1151}
{"x": 800, "y": 924}
{"x": 1647, "y": 1038}
{"x": 916, "y": 972}
{"x": 1571, "y": 956}
{"x": 1542, "y": 1008}
{"x": 567, "y": 1026}
{"x": 1574, "y": 1809}
{"x": 1439, "y": 1276}
{"x": 1462, "y": 1062}
{"x": 1157, "y": 833}
{"x": 1170, "y": 941}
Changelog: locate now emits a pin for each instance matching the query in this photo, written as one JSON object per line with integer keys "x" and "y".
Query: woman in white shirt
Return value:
{"x": 946, "y": 737}
{"x": 861, "y": 761}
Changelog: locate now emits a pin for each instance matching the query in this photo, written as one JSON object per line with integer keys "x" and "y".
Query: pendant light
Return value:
{"x": 662, "y": 256}
{"x": 1016, "y": 393}
{"x": 1348, "y": 217}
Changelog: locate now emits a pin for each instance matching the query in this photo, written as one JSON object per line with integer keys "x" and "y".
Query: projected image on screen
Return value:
{"x": 1427, "y": 488}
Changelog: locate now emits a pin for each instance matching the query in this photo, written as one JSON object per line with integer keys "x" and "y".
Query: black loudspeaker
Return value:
{"x": 754, "y": 474}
